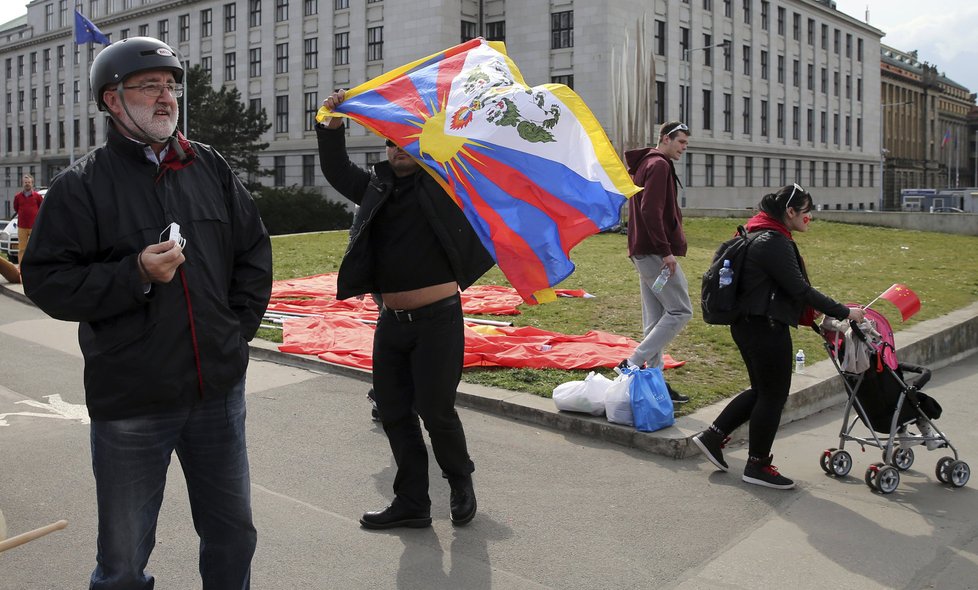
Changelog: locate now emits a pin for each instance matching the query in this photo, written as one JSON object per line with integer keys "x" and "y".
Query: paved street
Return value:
{"x": 557, "y": 510}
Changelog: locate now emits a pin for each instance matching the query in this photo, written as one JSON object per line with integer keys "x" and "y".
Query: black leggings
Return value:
{"x": 766, "y": 348}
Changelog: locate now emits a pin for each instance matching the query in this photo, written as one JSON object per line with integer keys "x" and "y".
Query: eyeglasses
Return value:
{"x": 675, "y": 128}
{"x": 155, "y": 90}
{"x": 796, "y": 189}
{"x": 390, "y": 143}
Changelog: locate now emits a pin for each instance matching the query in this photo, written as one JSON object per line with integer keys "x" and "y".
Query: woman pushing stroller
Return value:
{"x": 774, "y": 294}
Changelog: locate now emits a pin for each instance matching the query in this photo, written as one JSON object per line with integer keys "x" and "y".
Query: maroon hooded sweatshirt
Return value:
{"x": 655, "y": 222}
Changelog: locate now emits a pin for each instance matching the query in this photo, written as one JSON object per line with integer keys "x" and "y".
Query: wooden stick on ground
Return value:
{"x": 31, "y": 535}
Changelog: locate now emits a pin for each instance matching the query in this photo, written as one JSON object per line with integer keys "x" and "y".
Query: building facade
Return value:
{"x": 926, "y": 132}
{"x": 791, "y": 96}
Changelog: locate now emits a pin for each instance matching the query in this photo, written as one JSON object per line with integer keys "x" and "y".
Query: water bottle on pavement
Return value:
{"x": 726, "y": 274}
{"x": 661, "y": 281}
{"x": 800, "y": 361}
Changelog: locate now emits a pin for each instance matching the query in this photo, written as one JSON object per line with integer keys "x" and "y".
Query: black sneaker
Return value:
{"x": 625, "y": 364}
{"x": 710, "y": 444}
{"x": 677, "y": 398}
{"x": 761, "y": 472}
{"x": 374, "y": 414}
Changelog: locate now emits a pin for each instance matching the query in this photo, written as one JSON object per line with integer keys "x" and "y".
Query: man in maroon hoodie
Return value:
{"x": 26, "y": 205}
{"x": 655, "y": 239}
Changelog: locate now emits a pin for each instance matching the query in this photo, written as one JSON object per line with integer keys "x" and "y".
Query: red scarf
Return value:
{"x": 763, "y": 221}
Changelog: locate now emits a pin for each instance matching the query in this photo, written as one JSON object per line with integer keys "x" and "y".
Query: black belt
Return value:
{"x": 423, "y": 312}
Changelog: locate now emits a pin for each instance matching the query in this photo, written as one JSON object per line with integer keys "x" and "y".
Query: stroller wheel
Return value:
{"x": 959, "y": 474}
{"x": 870, "y": 477}
{"x": 903, "y": 458}
{"x": 943, "y": 469}
{"x": 840, "y": 462}
{"x": 887, "y": 479}
{"x": 823, "y": 460}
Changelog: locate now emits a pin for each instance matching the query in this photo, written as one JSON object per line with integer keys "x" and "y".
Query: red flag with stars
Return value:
{"x": 906, "y": 300}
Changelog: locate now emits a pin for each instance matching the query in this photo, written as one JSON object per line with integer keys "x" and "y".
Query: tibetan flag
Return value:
{"x": 903, "y": 298}
{"x": 86, "y": 31}
{"x": 947, "y": 137}
{"x": 531, "y": 168}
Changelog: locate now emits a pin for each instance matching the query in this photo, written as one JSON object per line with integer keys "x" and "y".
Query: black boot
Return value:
{"x": 462, "y": 500}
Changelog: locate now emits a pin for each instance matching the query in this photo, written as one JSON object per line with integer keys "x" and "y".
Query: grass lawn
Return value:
{"x": 849, "y": 263}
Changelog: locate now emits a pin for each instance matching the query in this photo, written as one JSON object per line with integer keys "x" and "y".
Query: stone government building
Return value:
{"x": 776, "y": 91}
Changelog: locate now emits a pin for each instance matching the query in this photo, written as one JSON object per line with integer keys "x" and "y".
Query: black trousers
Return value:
{"x": 766, "y": 348}
{"x": 417, "y": 361}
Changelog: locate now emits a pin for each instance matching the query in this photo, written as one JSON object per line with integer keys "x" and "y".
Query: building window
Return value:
{"x": 660, "y": 37}
{"x": 254, "y": 62}
{"x": 124, "y": 34}
{"x": 811, "y": 32}
{"x": 566, "y": 80}
{"x": 312, "y": 105}
{"x": 747, "y": 60}
{"x": 810, "y": 126}
{"x": 747, "y": 116}
{"x": 796, "y": 26}
{"x": 811, "y": 76}
{"x": 230, "y": 66}
{"x": 279, "y": 170}
{"x": 660, "y": 101}
{"x": 859, "y": 89}
{"x": 341, "y": 49}
{"x": 764, "y": 110}
{"x": 747, "y": 12}
{"x": 254, "y": 105}
{"x": 375, "y": 43}
{"x": 282, "y": 114}
{"x": 206, "y": 22}
{"x": 861, "y": 175}
{"x": 183, "y": 28}
{"x": 825, "y": 81}
{"x": 780, "y": 121}
{"x": 730, "y": 170}
{"x": 825, "y": 36}
{"x": 708, "y": 170}
{"x": 766, "y": 171}
{"x": 825, "y": 174}
{"x": 727, "y": 115}
{"x": 796, "y": 73}
{"x": 780, "y": 69}
{"x": 310, "y": 53}
{"x": 765, "y": 9}
{"x": 823, "y": 134}
{"x": 281, "y": 10}
{"x": 781, "y": 20}
{"x": 496, "y": 31}
{"x": 684, "y": 42}
{"x": 708, "y": 50}
{"x": 835, "y": 129}
{"x": 795, "y": 123}
{"x": 341, "y": 4}
{"x": 811, "y": 173}
{"x": 281, "y": 58}
{"x": 783, "y": 172}
{"x": 859, "y": 54}
{"x": 708, "y": 5}
{"x": 848, "y": 44}
{"x": 707, "y": 109}
{"x": 205, "y": 64}
{"x": 848, "y": 86}
{"x": 468, "y": 30}
{"x": 727, "y": 56}
{"x": 835, "y": 41}
{"x": 308, "y": 170}
{"x": 254, "y": 13}
{"x": 859, "y": 132}
{"x": 848, "y": 130}
{"x": 310, "y": 7}
{"x": 838, "y": 174}
{"x": 230, "y": 18}
{"x": 835, "y": 87}
{"x": 764, "y": 65}
{"x": 562, "y": 29}
{"x": 749, "y": 171}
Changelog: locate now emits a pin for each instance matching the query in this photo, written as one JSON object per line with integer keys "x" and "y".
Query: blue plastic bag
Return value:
{"x": 651, "y": 405}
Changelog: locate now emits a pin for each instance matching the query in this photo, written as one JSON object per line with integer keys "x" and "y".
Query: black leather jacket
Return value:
{"x": 467, "y": 256}
{"x": 139, "y": 347}
{"x": 775, "y": 285}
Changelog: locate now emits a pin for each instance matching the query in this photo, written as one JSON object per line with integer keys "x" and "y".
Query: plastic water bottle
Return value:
{"x": 800, "y": 361}
{"x": 661, "y": 281}
{"x": 726, "y": 274}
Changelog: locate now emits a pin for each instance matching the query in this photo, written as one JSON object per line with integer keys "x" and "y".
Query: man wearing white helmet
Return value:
{"x": 155, "y": 247}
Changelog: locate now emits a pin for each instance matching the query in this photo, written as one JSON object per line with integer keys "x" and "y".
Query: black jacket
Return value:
{"x": 467, "y": 256}
{"x": 775, "y": 285}
{"x": 139, "y": 347}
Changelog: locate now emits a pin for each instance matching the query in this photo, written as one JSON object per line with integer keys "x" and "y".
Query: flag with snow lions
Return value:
{"x": 531, "y": 168}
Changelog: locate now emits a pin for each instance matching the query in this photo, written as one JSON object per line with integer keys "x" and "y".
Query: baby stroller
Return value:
{"x": 886, "y": 403}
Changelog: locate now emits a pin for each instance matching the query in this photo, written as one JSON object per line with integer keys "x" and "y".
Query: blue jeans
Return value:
{"x": 130, "y": 459}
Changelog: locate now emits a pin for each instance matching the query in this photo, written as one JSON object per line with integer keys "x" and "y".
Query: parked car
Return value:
{"x": 947, "y": 210}
{"x": 8, "y": 240}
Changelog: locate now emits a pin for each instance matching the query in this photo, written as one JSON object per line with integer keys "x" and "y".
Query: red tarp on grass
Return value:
{"x": 336, "y": 333}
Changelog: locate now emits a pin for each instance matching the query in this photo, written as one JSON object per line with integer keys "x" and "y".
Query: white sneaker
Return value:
{"x": 934, "y": 440}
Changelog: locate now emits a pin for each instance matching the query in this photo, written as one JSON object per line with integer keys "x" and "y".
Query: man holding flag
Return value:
{"x": 412, "y": 244}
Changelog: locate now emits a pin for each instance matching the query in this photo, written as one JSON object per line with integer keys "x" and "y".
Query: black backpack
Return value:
{"x": 719, "y": 306}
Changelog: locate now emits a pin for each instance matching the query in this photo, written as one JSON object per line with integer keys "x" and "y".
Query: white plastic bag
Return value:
{"x": 583, "y": 396}
{"x": 618, "y": 404}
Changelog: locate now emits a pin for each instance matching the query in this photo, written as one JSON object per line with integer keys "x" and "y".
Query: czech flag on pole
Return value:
{"x": 903, "y": 298}
{"x": 531, "y": 168}
{"x": 86, "y": 31}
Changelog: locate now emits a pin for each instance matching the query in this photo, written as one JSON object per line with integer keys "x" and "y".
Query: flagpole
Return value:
{"x": 69, "y": 124}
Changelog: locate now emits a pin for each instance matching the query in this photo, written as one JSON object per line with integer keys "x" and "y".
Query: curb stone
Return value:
{"x": 933, "y": 343}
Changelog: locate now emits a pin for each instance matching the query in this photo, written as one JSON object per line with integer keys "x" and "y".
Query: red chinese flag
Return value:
{"x": 906, "y": 300}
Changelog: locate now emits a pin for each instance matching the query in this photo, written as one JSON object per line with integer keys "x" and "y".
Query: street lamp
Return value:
{"x": 883, "y": 150}
{"x": 686, "y": 95}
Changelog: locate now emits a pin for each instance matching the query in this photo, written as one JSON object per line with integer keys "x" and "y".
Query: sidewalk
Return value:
{"x": 934, "y": 343}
